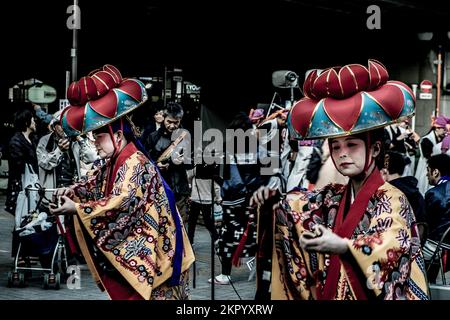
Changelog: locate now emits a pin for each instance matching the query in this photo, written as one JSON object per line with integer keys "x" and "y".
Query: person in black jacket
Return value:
{"x": 242, "y": 176}
{"x": 395, "y": 163}
{"x": 22, "y": 151}
{"x": 173, "y": 169}
{"x": 155, "y": 123}
{"x": 437, "y": 199}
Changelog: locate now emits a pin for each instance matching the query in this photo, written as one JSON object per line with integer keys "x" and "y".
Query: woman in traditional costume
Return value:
{"x": 126, "y": 222}
{"x": 343, "y": 242}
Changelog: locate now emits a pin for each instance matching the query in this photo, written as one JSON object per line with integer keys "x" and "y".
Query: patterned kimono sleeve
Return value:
{"x": 294, "y": 267}
{"x": 388, "y": 251}
{"x": 83, "y": 188}
{"x": 123, "y": 192}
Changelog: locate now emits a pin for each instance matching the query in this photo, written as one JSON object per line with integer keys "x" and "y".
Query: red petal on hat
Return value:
{"x": 301, "y": 115}
{"x": 74, "y": 94}
{"x": 307, "y": 85}
{"x": 390, "y": 98}
{"x": 93, "y": 72}
{"x": 361, "y": 75}
{"x": 132, "y": 88}
{"x": 348, "y": 81}
{"x": 404, "y": 86}
{"x": 88, "y": 89}
{"x": 105, "y": 106}
{"x": 104, "y": 82}
{"x": 115, "y": 73}
{"x": 344, "y": 113}
{"x": 378, "y": 74}
{"x": 320, "y": 85}
{"x": 75, "y": 117}
{"x": 334, "y": 87}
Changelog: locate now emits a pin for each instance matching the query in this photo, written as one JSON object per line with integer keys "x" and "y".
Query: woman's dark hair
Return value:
{"x": 378, "y": 135}
{"x": 22, "y": 120}
{"x": 157, "y": 107}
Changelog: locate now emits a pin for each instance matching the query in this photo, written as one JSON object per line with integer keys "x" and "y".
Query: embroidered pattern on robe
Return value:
{"x": 384, "y": 247}
{"x": 134, "y": 228}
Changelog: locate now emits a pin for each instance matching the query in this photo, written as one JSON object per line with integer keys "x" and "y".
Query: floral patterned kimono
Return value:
{"x": 131, "y": 226}
{"x": 383, "y": 260}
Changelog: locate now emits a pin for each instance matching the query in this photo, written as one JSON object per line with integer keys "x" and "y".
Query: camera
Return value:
{"x": 291, "y": 76}
{"x": 284, "y": 79}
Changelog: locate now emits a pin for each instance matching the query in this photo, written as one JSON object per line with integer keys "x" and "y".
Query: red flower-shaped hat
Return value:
{"x": 348, "y": 100}
{"x": 99, "y": 99}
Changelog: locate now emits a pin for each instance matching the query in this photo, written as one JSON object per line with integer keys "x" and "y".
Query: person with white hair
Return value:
{"x": 61, "y": 161}
{"x": 60, "y": 158}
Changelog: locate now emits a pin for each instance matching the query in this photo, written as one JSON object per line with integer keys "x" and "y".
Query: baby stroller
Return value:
{"x": 38, "y": 234}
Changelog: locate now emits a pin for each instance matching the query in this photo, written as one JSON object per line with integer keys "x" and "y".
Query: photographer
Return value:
{"x": 57, "y": 166}
{"x": 59, "y": 160}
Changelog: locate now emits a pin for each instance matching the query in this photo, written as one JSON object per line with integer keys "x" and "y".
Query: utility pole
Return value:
{"x": 439, "y": 80}
{"x": 73, "y": 51}
{"x": 165, "y": 86}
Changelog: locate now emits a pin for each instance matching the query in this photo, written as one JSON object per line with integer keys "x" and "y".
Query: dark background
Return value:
{"x": 229, "y": 48}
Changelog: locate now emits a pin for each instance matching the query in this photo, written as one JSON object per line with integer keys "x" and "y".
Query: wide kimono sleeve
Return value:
{"x": 85, "y": 189}
{"x": 123, "y": 192}
{"x": 388, "y": 252}
{"x": 293, "y": 270}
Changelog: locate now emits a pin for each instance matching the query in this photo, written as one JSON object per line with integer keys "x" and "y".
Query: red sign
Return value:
{"x": 426, "y": 86}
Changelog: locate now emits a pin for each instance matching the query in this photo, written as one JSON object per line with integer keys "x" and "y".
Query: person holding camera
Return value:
{"x": 59, "y": 158}
{"x": 400, "y": 138}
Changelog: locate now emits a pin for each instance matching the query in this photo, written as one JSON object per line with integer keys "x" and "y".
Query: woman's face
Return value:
{"x": 159, "y": 116}
{"x": 349, "y": 155}
{"x": 104, "y": 144}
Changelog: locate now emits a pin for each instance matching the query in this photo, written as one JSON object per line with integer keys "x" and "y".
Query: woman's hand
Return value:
{"x": 323, "y": 240}
{"x": 261, "y": 195}
{"x": 67, "y": 207}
